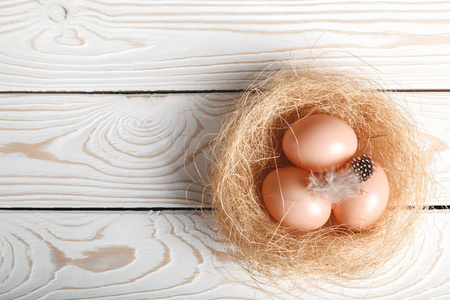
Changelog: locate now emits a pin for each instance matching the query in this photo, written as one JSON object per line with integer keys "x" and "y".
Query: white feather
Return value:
{"x": 335, "y": 186}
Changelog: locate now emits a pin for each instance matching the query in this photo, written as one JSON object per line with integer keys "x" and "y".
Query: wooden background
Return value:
{"x": 106, "y": 109}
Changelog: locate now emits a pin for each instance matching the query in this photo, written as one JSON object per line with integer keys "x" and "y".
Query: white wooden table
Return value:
{"x": 103, "y": 103}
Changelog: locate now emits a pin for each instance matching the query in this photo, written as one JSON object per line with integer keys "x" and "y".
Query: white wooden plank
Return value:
{"x": 59, "y": 150}
{"x": 432, "y": 111}
{"x": 175, "y": 255}
{"x": 91, "y": 45}
{"x": 104, "y": 150}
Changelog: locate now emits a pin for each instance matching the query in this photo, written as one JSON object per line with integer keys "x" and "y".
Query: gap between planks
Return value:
{"x": 144, "y": 209}
{"x": 166, "y": 92}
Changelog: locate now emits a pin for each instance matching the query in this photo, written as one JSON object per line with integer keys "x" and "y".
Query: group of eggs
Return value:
{"x": 323, "y": 143}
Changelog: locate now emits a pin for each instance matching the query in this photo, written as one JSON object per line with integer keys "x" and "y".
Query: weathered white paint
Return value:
{"x": 120, "y": 151}
{"x": 91, "y": 45}
{"x": 175, "y": 255}
{"x": 105, "y": 150}
{"x": 62, "y": 150}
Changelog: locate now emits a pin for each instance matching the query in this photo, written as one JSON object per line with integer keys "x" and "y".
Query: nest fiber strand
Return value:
{"x": 249, "y": 147}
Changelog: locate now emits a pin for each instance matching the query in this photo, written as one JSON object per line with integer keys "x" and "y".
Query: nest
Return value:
{"x": 250, "y": 146}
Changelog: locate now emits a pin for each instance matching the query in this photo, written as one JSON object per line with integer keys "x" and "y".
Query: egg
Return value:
{"x": 289, "y": 202}
{"x": 366, "y": 208}
{"x": 319, "y": 143}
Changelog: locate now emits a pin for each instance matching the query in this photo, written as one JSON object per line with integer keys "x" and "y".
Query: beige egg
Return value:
{"x": 367, "y": 207}
{"x": 289, "y": 202}
{"x": 319, "y": 142}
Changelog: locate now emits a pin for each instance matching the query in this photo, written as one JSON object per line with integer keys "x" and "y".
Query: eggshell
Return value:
{"x": 366, "y": 208}
{"x": 289, "y": 202}
{"x": 319, "y": 142}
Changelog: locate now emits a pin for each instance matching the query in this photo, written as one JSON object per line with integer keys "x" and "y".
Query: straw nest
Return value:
{"x": 249, "y": 147}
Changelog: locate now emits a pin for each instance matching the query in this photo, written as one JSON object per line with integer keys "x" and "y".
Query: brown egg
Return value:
{"x": 366, "y": 208}
{"x": 287, "y": 200}
{"x": 319, "y": 142}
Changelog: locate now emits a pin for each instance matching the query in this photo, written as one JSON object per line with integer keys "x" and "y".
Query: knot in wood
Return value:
{"x": 57, "y": 13}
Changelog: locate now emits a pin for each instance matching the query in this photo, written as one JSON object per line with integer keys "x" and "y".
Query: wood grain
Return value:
{"x": 432, "y": 111}
{"x": 105, "y": 150}
{"x": 94, "y": 45}
{"x": 59, "y": 150}
{"x": 175, "y": 255}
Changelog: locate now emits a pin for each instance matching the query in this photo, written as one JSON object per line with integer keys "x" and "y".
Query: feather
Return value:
{"x": 335, "y": 186}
